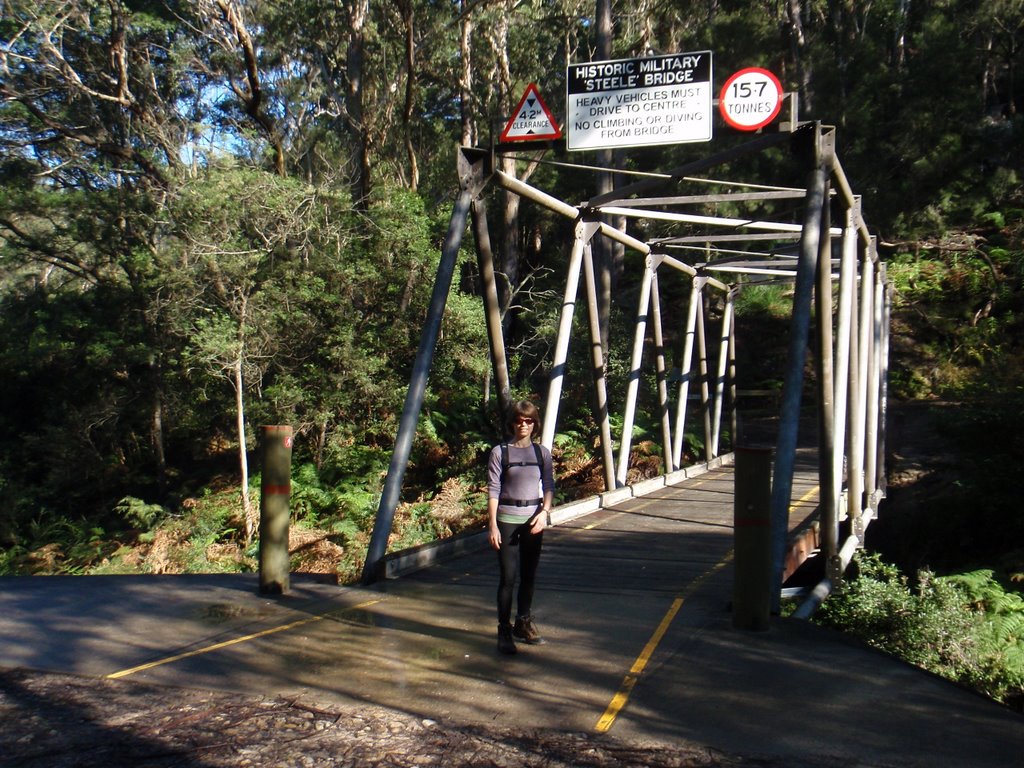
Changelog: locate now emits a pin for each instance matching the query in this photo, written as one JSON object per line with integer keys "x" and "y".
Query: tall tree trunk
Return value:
{"x": 466, "y": 78}
{"x": 511, "y": 241}
{"x": 248, "y": 510}
{"x": 409, "y": 19}
{"x": 797, "y": 45}
{"x": 1011, "y": 75}
{"x": 157, "y": 429}
{"x": 511, "y": 248}
{"x": 354, "y": 104}
{"x": 251, "y": 94}
{"x": 900, "y": 34}
{"x": 608, "y": 256}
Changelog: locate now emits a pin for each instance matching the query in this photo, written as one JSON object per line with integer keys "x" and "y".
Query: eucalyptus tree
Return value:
{"x": 999, "y": 27}
{"x": 608, "y": 256}
{"x": 89, "y": 91}
{"x": 232, "y": 60}
{"x": 245, "y": 240}
{"x": 91, "y": 124}
{"x": 513, "y": 44}
{"x": 337, "y": 89}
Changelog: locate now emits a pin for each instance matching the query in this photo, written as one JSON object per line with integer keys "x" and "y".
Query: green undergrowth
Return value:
{"x": 333, "y": 511}
{"x": 966, "y": 628}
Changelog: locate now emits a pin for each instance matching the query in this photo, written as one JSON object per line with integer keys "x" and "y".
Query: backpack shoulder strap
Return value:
{"x": 506, "y": 463}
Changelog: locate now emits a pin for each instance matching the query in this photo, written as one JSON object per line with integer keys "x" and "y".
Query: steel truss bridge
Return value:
{"x": 717, "y": 255}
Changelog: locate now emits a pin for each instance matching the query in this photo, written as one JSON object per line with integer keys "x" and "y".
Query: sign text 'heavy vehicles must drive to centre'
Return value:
{"x": 637, "y": 102}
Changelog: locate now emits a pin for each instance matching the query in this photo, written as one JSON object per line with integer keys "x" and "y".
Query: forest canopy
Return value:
{"x": 217, "y": 214}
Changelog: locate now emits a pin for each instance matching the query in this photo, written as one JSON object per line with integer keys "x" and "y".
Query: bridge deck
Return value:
{"x": 632, "y": 599}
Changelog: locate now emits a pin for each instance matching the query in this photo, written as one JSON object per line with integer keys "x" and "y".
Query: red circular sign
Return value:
{"x": 750, "y": 99}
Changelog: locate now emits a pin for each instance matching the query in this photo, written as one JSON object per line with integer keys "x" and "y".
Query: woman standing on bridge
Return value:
{"x": 520, "y": 488}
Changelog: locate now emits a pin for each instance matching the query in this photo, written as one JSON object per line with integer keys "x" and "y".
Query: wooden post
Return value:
{"x": 275, "y": 490}
{"x": 752, "y": 583}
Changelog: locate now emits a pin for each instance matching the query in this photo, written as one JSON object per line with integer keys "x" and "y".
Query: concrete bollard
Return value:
{"x": 752, "y": 585}
{"x": 275, "y": 490}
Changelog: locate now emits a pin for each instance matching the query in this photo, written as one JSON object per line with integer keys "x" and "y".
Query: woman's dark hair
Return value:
{"x": 527, "y": 410}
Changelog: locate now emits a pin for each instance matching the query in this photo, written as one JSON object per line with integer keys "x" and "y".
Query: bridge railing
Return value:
{"x": 852, "y": 341}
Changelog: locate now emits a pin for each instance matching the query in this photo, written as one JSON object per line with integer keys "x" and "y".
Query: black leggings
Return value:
{"x": 519, "y": 552}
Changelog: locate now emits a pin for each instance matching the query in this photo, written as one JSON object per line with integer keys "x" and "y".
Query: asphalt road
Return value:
{"x": 633, "y": 600}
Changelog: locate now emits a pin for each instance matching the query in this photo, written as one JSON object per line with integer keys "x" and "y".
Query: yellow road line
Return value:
{"x": 237, "y": 640}
{"x": 804, "y": 500}
{"x": 618, "y": 702}
{"x": 620, "y": 699}
{"x": 592, "y": 526}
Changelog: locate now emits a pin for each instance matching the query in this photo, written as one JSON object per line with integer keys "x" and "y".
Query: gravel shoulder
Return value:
{"x": 58, "y": 721}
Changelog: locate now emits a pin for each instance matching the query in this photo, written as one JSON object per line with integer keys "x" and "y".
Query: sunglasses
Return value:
{"x": 524, "y": 420}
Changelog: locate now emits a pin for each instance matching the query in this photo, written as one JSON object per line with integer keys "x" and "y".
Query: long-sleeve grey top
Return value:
{"x": 524, "y": 481}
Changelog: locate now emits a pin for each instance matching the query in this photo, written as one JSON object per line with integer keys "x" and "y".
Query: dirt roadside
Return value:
{"x": 58, "y": 720}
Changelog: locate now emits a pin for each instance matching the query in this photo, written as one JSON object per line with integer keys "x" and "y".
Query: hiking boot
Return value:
{"x": 526, "y": 631}
{"x": 506, "y": 644}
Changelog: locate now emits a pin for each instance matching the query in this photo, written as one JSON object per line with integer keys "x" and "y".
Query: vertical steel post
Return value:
{"x": 492, "y": 308}
{"x": 752, "y": 539}
{"x": 702, "y": 372}
{"x": 275, "y": 491}
{"x": 858, "y": 430}
{"x": 883, "y": 377}
{"x": 733, "y": 403}
{"x": 826, "y": 383}
{"x": 633, "y": 385}
{"x": 844, "y": 329}
{"x": 723, "y": 364}
{"x": 661, "y": 370}
{"x": 572, "y": 283}
{"x": 686, "y": 371}
{"x": 854, "y": 482}
{"x": 785, "y": 454}
{"x": 417, "y": 386}
{"x": 597, "y": 362}
{"x": 874, "y": 368}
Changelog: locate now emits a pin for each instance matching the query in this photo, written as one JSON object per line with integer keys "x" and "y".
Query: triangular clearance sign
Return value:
{"x": 531, "y": 120}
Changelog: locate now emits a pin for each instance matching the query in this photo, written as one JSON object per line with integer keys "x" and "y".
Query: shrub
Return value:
{"x": 964, "y": 628}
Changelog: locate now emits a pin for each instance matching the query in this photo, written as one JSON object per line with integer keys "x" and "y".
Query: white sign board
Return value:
{"x": 639, "y": 102}
{"x": 750, "y": 99}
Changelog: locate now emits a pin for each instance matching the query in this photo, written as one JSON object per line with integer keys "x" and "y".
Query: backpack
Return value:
{"x": 505, "y": 464}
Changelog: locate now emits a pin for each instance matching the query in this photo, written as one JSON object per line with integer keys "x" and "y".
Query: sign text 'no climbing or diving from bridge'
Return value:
{"x": 639, "y": 102}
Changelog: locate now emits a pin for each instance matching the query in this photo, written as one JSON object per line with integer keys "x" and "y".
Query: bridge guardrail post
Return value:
{"x": 275, "y": 492}
{"x": 752, "y": 537}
